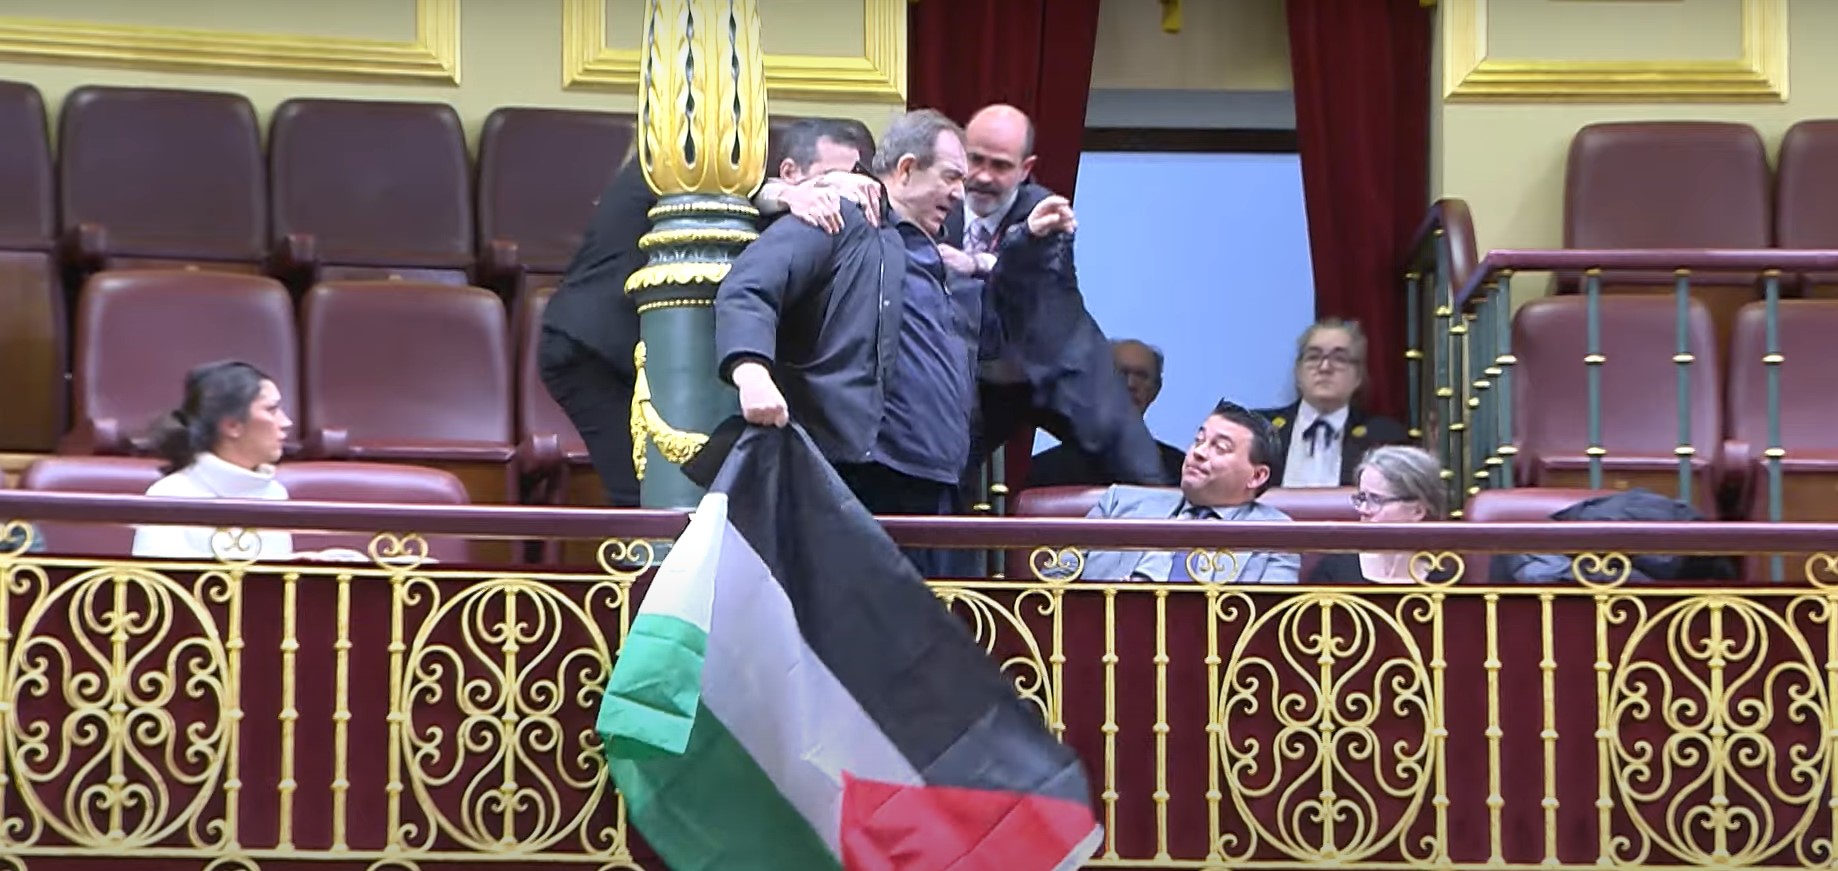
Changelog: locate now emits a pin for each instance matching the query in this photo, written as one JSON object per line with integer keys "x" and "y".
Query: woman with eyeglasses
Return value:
{"x": 1325, "y": 431}
{"x": 1396, "y": 484}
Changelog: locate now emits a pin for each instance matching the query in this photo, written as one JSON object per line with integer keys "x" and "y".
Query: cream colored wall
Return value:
{"x": 1223, "y": 45}
{"x": 510, "y": 52}
{"x": 1506, "y": 158}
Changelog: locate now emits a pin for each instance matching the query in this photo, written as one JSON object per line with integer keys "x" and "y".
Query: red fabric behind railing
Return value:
{"x": 1362, "y": 91}
{"x": 965, "y": 54}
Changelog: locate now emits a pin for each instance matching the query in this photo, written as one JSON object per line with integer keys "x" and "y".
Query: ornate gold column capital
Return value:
{"x": 702, "y": 99}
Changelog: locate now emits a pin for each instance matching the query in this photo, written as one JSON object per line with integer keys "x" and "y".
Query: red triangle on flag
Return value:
{"x": 889, "y": 827}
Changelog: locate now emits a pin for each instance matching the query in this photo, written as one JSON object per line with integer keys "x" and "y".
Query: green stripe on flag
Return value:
{"x": 655, "y": 689}
{"x": 714, "y": 809}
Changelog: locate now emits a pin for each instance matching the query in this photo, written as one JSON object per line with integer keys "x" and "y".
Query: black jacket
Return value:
{"x": 1364, "y": 432}
{"x": 1638, "y": 506}
{"x": 824, "y": 313}
{"x": 591, "y": 305}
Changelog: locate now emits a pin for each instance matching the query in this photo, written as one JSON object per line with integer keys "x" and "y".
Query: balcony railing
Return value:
{"x": 1464, "y": 368}
{"x": 407, "y": 714}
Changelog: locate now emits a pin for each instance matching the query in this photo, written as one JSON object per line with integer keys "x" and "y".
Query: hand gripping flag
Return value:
{"x": 791, "y": 696}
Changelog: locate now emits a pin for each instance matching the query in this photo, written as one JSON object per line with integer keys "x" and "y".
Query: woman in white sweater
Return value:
{"x": 221, "y": 443}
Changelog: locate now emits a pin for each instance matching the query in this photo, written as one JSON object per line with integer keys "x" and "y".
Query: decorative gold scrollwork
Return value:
{"x": 16, "y": 537}
{"x": 1719, "y": 724}
{"x": 1425, "y": 567}
{"x": 1327, "y": 725}
{"x": 1204, "y": 565}
{"x": 236, "y": 546}
{"x": 677, "y": 446}
{"x": 397, "y": 552}
{"x": 1601, "y": 570}
{"x": 1822, "y": 570}
{"x": 121, "y": 715}
{"x": 1026, "y": 667}
{"x": 626, "y": 559}
{"x": 491, "y": 683}
{"x": 1057, "y": 565}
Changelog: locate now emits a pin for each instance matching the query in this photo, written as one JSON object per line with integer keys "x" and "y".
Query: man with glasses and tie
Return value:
{"x": 1324, "y": 432}
{"x": 1226, "y": 469}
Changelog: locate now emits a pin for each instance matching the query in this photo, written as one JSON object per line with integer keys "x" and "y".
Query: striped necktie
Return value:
{"x": 977, "y": 241}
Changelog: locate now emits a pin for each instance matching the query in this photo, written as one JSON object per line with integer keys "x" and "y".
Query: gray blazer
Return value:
{"x": 1123, "y": 502}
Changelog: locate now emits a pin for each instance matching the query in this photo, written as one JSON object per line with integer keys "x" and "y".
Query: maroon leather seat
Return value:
{"x": 140, "y": 331}
{"x": 1671, "y": 184}
{"x": 1514, "y": 505}
{"x": 541, "y": 171}
{"x": 160, "y": 177}
{"x": 33, "y": 315}
{"x": 1805, "y": 216}
{"x": 370, "y": 190}
{"x": 384, "y": 483}
{"x": 1808, "y": 409}
{"x": 1639, "y": 403}
{"x": 410, "y": 372}
{"x": 103, "y": 475}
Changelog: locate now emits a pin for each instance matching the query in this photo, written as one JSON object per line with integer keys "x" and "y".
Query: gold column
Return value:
{"x": 702, "y": 144}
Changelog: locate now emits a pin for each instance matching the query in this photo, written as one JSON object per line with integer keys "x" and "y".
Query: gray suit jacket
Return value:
{"x": 1123, "y": 502}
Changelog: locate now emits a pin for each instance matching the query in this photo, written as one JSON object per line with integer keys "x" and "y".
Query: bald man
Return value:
{"x": 998, "y": 192}
{"x": 1056, "y": 373}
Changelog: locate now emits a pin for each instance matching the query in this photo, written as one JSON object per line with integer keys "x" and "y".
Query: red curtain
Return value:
{"x": 1362, "y": 91}
{"x": 963, "y": 55}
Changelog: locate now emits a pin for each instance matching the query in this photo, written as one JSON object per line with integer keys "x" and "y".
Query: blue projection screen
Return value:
{"x": 1206, "y": 257}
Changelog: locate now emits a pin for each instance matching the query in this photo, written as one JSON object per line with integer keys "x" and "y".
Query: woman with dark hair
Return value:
{"x": 221, "y": 443}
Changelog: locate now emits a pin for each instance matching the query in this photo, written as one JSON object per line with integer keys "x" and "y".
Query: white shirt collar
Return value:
{"x": 994, "y": 218}
{"x": 1307, "y": 414}
{"x": 228, "y": 480}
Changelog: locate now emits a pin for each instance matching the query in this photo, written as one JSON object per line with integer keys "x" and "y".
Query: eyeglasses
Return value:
{"x": 1337, "y": 359}
{"x": 1372, "y": 501}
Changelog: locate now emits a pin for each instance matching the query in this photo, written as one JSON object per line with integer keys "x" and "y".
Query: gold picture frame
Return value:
{"x": 432, "y": 57}
{"x": 1758, "y": 75}
{"x": 879, "y": 74}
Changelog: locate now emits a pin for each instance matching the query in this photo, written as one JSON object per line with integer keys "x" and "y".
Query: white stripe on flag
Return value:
{"x": 779, "y": 700}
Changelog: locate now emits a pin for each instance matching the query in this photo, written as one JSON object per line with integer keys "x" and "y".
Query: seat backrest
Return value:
{"x": 407, "y": 361}
{"x": 537, "y": 413}
{"x": 1066, "y": 501}
{"x": 540, "y": 173}
{"x": 375, "y": 183}
{"x": 1805, "y": 215}
{"x": 167, "y": 173}
{"x": 1313, "y": 503}
{"x": 1514, "y": 505}
{"x": 104, "y": 475}
{"x": 387, "y": 483}
{"x": 139, "y": 332}
{"x": 27, "y": 210}
{"x": 1668, "y": 184}
{"x": 1639, "y": 404}
{"x": 1808, "y": 405}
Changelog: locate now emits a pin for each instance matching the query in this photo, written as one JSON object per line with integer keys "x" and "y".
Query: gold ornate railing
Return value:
{"x": 406, "y": 714}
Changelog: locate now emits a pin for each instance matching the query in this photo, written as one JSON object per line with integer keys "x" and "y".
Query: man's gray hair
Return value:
{"x": 914, "y": 133}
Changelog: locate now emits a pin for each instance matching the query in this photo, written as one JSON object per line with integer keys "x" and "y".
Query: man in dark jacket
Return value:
{"x": 1055, "y": 370}
{"x": 869, "y": 338}
{"x": 590, "y": 326}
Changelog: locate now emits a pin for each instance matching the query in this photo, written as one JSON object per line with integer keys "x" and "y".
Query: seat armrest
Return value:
{"x": 328, "y": 443}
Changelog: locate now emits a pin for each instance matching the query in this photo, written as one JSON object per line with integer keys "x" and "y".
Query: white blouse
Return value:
{"x": 212, "y": 477}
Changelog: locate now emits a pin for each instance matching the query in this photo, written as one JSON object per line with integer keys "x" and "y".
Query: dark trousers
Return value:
{"x": 597, "y": 398}
{"x": 885, "y": 491}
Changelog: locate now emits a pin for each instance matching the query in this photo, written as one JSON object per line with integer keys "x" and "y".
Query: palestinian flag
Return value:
{"x": 791, "y": 696}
